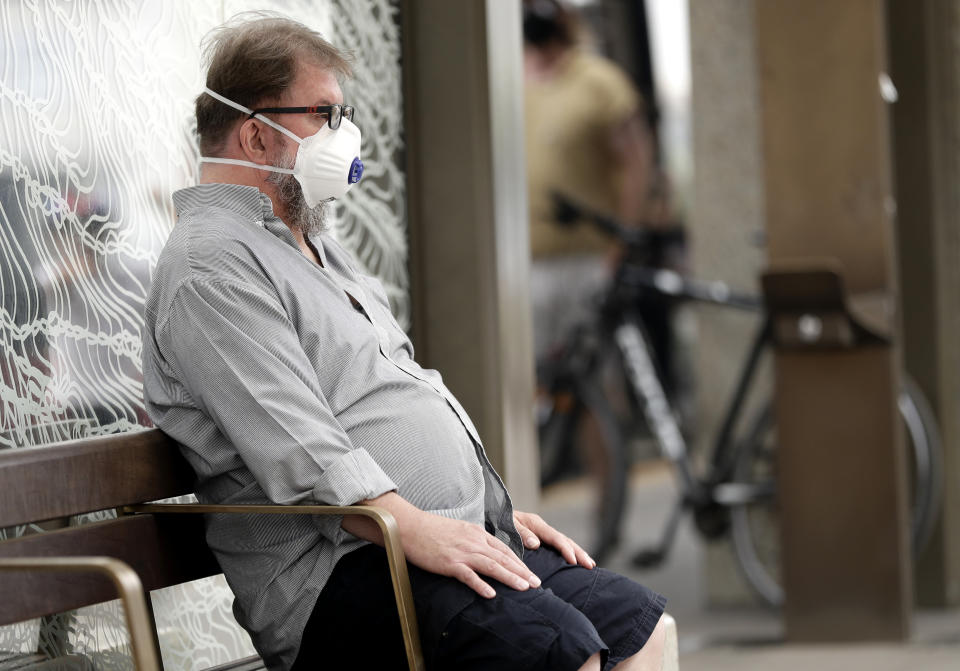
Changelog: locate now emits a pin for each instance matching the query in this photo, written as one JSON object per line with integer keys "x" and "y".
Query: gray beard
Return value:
{"x": 308, "y": 220}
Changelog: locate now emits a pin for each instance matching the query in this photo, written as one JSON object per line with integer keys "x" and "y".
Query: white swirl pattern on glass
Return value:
{"x": 96, "y": 132}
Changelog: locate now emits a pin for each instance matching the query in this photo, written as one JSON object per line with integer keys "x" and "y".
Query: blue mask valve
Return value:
{"x": 356, "y": 171}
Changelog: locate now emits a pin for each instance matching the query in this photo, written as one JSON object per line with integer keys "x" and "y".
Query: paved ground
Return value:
{"x": 744, "y": 638}
{"x": 826, "y": 658}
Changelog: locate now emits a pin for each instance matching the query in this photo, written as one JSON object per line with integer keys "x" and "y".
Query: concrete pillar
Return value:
{"x": 925, "y": 66}
{"x": 841, "y": 473}
{"x": 725, "y": 226}
{"x": 469, "y": 251}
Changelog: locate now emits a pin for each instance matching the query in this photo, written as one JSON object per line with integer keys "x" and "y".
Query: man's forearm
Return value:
{"x": 363, "y": 527}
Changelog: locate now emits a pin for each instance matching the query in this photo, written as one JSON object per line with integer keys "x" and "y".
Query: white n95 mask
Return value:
{"x": 328, "y": 162}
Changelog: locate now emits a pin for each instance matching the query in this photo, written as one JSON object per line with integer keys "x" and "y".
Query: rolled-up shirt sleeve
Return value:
{"x": 239, "y": 357}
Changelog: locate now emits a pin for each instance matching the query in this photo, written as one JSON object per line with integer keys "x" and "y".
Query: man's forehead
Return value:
{"x": 314, "y": 85}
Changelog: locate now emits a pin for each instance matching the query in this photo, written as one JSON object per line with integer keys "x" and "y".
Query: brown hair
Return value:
{"x": 253, "y": 59}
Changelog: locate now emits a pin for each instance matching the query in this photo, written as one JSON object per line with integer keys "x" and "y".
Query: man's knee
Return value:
{"x": 534, "y": 629}
{"x": 592, "y": 664}
{"x": 650, "y": 656}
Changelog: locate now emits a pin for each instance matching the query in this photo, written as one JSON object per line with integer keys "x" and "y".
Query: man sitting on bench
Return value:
{"x": 278, "y": 367}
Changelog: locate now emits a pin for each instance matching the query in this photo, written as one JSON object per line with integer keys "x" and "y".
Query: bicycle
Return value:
{"x": 736, "y": 495}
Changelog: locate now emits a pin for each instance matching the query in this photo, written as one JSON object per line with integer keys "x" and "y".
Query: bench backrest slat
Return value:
{"x": 91, "y": 474}
{"x": 164, "y": 550}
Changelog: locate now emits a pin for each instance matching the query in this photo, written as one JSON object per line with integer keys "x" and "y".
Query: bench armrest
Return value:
{"x": 391, "y": 541}
{"x": 146, "y": 656}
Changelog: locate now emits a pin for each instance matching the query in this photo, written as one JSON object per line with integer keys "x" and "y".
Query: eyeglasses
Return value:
{"x": 334, "y": 112}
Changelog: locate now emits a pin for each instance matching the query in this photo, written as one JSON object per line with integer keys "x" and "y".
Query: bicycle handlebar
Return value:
{"x": 567, "y": 213}
{"x": 673, "y": 284}
{"x": 666, "y": 282}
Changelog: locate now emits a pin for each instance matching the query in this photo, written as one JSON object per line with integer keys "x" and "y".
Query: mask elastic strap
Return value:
{"x": 249, "y": 112}
{"x": 247, "y": 164}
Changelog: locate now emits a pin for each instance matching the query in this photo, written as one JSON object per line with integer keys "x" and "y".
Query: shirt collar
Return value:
{"x": 248, "y": 202}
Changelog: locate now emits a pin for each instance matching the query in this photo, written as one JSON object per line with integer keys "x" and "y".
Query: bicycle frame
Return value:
{"x": 641, "y": 372}
{"x": 723, "y": 458}
{"x": 620, "y": 322}
{"x": 630, "y": 336}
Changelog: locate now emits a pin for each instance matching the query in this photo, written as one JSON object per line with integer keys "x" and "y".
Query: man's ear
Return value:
{"x": 254, "y": 140}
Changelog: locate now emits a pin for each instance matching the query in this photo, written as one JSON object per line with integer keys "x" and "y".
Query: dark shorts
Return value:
{"x": 558, "y": 626}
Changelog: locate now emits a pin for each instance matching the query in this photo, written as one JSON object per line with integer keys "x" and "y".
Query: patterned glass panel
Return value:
{"x": 96, "y": 132}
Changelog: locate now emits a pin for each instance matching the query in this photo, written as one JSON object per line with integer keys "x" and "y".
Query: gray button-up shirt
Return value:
{"x": 288, "y": 382}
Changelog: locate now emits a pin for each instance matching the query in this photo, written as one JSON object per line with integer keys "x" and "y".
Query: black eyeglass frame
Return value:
{"x": 334, "y": 112}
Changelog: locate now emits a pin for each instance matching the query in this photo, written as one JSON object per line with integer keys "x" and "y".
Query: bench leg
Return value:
{"x": 146, "y": 656}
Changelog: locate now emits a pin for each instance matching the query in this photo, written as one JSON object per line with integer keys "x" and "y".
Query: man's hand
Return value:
{"x": 533, "y": 529}
{"x": 448, "y": 547}
{"x": 464, "y": 551}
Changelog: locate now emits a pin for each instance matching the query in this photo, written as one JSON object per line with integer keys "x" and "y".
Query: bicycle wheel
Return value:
{"x": 926, "y": 468}
{"x": 579, "y": 433}
{"x": 606, "y": 455}
{"x": 556, "y": 424}
{"x": 755, "y": 523}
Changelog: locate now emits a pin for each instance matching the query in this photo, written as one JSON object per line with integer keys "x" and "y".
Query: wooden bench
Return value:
{"x": 147, "y": 547}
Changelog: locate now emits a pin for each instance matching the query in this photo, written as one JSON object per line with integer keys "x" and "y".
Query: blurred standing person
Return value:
{"x": 588, "y": 140}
